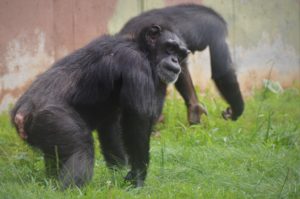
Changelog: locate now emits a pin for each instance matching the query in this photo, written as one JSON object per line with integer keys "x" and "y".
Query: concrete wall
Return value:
{"x": 264, "y": 36}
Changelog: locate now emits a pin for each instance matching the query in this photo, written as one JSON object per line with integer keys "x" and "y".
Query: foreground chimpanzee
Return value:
{"x": 200, "y": 27}
{"x": 116, "y": 85}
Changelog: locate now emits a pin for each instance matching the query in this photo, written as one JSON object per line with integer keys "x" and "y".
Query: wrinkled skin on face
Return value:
{"x": 175, "y": 52}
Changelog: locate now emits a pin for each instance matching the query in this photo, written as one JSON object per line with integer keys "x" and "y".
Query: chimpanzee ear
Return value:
{"x": 152, "y": 34}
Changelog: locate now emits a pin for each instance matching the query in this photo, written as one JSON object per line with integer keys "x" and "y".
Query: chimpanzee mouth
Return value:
{"x": 167, "y": 76}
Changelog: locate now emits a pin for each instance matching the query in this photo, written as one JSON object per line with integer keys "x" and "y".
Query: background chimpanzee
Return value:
{"x": 200, "y": 27}
{"x": 115, "y": 84}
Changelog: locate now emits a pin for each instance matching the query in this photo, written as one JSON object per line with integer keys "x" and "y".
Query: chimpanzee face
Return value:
{"x": 169, "y": 51}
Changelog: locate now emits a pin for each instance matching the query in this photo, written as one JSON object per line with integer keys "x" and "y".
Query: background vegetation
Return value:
{"x": 255, "y": 157}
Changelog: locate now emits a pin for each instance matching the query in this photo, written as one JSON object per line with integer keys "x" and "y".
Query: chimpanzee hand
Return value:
{"x": 229, "y": 114}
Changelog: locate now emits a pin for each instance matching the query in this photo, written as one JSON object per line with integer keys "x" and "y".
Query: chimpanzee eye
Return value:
{"x": 182, "y": 54}
{"x": 171, "y": 48}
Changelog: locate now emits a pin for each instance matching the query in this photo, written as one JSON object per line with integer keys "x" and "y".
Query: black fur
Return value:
{"x": 112, "y": 85}
{"x": 200, "y": 27}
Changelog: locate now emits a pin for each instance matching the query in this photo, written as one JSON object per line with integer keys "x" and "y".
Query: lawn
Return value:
{"x": 256, "y": 157}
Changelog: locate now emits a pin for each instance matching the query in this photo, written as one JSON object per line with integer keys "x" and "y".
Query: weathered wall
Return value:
{"x": 35, "y": 33}
{"x": 264, "y": 36}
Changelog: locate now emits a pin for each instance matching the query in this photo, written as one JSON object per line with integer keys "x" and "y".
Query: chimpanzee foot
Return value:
{"x": 195, "y": 112}
{"x": 135, "y": 178}
{"x": 130, "y": 176}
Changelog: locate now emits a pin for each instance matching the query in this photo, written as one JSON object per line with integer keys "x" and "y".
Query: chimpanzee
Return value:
{"x": 116, "y": 85}
{"x": 200, "y": 27}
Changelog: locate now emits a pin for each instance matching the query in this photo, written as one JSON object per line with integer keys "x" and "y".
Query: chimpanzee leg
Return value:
{"x": 77, "y": 169}
{"x": 186, "y": 89}
{"x": 111, "y": 143}
{"x": 66, "y": 142}
{"x": 136, "y": 136}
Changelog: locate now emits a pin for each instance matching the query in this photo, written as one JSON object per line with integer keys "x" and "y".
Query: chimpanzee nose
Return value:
{"x": 174, "y": 60}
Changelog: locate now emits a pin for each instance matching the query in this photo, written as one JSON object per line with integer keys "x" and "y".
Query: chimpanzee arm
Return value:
{"x": 137, "y": 97}
{"x": 136, "y": 137}
{"x": 224, "y": 76}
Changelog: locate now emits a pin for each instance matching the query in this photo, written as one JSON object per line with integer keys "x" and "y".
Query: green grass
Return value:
{"x": 256, "y": 157}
